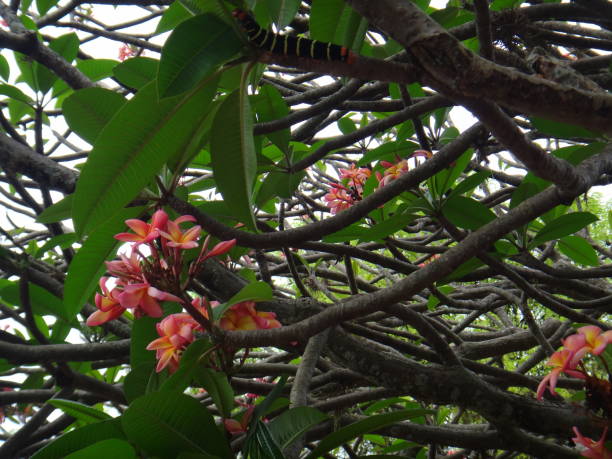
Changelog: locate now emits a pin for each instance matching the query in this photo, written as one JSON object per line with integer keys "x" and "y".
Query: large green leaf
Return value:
{"x": 445, "y": 179}
{"x": 578, "y": 250}
{"x": 172, "y": 17}
{"x": 15, "y": 93}
{"x": 61, "y": 210}
{"x": 336, "y": 22}
{"x": 113, "y": 447}
{"x": 88, "y": 263}
{"x": 293, "y": 423}
{"x": 87, "y": 111}
{"x": 167, "y": 423}
{"x": 133, "y": 147}
{"x": 80, "y": 438}
{"x": 233, "y": 156}
{"x": 143, "y": 332}
{"x": 42, "y": 301}
{"x": 260, "y": 444}
{"x": 283, "y": 11}
{"x": 196, "y": 48}
{"x": 218, "y": 387}
{"x": 467, "y": 213}
{"x": 356, "y": 429}
{"x": 563, "y": 226}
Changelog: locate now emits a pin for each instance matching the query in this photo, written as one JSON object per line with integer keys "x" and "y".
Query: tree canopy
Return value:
{"x": 315, "y": 228}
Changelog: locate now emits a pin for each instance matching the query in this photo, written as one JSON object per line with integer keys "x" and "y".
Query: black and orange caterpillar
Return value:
{"x": 290, "y": 45}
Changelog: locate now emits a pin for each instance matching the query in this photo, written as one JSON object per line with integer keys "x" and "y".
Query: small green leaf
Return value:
{"x": 59, "y": 211}
{"x": 387, "y": 227}
{"x": 256, "y": 291}
{"x": 563, "y": 226}
{"x": 233, "y": 156}
{"x": 467, "y": 213}
{"x": 578, "y": 250}
{"x": 136, "y": 72}
{"x": 15, "y": 93}
{"x": 270, "y": 105}
{"x": 5, "y": 69}
{"x": 80, "y": 411}
{"x": 143, "y": 332}
{"x": 172, "y": 17}
{"x": 389, "y": 151}
{"x": 218, "y": 387}
{"x": 291, "y": 424}
{"x": 561, "y": 130}
{"x": 196, "y": 48}
{"x": 356, "y": 429}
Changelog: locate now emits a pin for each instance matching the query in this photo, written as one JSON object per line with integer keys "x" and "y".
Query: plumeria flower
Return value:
{"x": 356, "y": 176}
{"x": 176, "y": 238}
{"x": 176, "y": 333}
{"x": 234, "y": 427}
{"x": 561, "y": 363}
{"x": 128, "y": 269}
{"x": 591, "y": 449}
{"x": 108, "y": 304}
{"x": 144, "y": 298}
{"x": 244, "y": 316}
{"x": 145, "y": 232}
{"x": 338, "y": 199}
{"x": 392, "y": 171}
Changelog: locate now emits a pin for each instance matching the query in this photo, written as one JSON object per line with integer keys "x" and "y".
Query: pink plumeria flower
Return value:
{"x": 561, "y": 363}
{"x": 145, "y": 232}
{"x": 234, "y": 427}
{"x": 244, "y": 316}
{"x": 356, "y": 176}
{"x": 591, "y": 449}
{"x": 176, "y": 333}
{"x": 338, "y": 199}
{"x": 108, "y": 304}
{"x": 143, "y": 297}
{"x": 128, "y": 269}
{"x": 393, "y": 171}
{"x": 176, "y": 238}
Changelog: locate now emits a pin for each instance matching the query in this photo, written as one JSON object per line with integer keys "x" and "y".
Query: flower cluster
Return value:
{"x": 126, "y": 51}
{"x": 589, "y": 340}
{"x": 343, "y": 195}
{"x": 177, "y": 331}
{"x": 140, "y": 281}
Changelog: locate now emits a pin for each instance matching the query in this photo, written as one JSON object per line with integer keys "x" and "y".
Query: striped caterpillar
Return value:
{"x": 290, "y": 45}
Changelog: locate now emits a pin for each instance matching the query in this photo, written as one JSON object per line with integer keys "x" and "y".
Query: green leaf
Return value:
{"x": 270, "y": 105}
{"x": 196, "y": 48}
{"x": 256, "y": 291}
{"x": 389, "y": 151}
{"x": 15, "y": 93}
{"x": 291, "y": 424}
{"x": 445, "y": 179}
{"x": 117, "y": 449}
{"x": 45, "y": 5}
{"x": 80, "y": 411}
{"x": 260, "y": 444}
{"x": 561, "y": 130}
{"x": 271, "y": 398}
{"x": 578, "y": 250}
{"x": 563, "y": 226}
{"x": 5, "y": 69}
{"x": 97, "y": 69}
{"x": 333, "y": 21}
{"x": 132, "y": 148}
{"x": 61, "y": 210}
{"x": 88, "y": 266}
{"x": 43, "y": 302}
{"x": 283, "y": 11}
{"x": 386, "y": 227}
{"x": 218, "y": 387}
{"x": 233, "y": 156}
{"x": 356, "y": 429}
{"x": 80, "y": 438}
{"x": 136, "y": 72}
{"x": 166, "y": 423}
{"x": 139, "y": 380}
{"x": 88, "y": 110}
{"x": 471, "y": 182}
{"x": 349, "y": 233}
{"x": 61, "y": 240}
{"x": 467, "y": 213}
{"x": 172, "y": 17}
{"x": 143, "y": 332}
{"x": 278, "y": 184}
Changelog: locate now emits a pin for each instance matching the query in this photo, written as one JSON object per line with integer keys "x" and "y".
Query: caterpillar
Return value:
{"x": 289, "y": 45}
